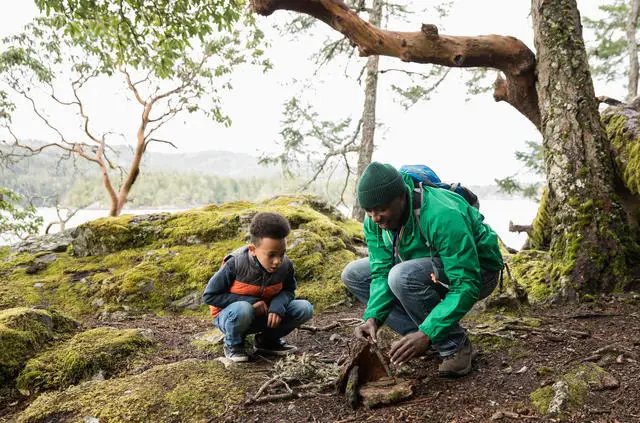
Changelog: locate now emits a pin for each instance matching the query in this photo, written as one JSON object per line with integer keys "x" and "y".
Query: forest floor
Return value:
{"x": 515, "y": 358}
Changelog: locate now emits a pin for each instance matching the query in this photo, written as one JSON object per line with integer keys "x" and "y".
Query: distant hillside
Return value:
{"x": 167, "y": 179}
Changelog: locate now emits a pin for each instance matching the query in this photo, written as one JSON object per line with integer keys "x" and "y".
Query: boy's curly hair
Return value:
{"x": 268, "y": 225}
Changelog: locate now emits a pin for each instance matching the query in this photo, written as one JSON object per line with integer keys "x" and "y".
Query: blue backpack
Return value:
{"x": 425, "y": 175}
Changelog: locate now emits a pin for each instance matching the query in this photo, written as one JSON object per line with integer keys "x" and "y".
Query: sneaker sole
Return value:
{"x": 462, "y": 372}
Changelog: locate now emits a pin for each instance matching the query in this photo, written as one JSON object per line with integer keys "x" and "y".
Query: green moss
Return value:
{"x": 540, "y": 237}
{"x": 105, "y": 350}
{"x": 187, "y": 391}
{"x": 146, "y": 265}
{"x": 579, "y": 381}
{"x": 24, "y": 331}
{"x": 533, "y": 270}
{"x": 541, "y": 398}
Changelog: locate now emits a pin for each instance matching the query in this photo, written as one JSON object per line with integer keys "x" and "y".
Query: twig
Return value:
{"x": 594, "y": 315}
{"x": 320, "y": 328}
{"x": 339, "y": 303}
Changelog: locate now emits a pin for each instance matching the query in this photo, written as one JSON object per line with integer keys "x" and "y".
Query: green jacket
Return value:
{"x": 457, "y": 235}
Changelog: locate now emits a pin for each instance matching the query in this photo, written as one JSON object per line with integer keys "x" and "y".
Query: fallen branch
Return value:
{"x": 320, "y": 328}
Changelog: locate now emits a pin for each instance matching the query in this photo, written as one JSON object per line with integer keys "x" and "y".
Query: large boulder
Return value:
{"x": 97, "y": 353}
{"x": 163, "y": 261}
{"x": 186, "y": 391}
{"x": 23, "y": 332}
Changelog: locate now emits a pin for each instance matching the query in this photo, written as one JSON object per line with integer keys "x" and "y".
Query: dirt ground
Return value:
{"x": 505, "y": 371}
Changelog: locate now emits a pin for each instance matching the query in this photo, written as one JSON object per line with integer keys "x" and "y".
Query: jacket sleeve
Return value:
{"x": 381, "y": 299}
{"x": 280, "y": 302}
{"x": 451, "y": 237}
{"x": 217, "y": 291}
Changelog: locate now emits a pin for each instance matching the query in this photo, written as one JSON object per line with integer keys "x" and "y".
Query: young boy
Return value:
{"x": 254, "y": 289}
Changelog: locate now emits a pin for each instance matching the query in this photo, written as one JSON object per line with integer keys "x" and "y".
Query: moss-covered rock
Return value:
{"x": 571, "y": 389}
{"x": 532, "y": 270}
{"x": 23, "y": 331}
{"x": 99, "y": 352}
{"x": 157, "y": 262}
{"x": 187, "y": 391}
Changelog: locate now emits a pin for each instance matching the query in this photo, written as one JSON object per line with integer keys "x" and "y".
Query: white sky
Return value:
{"x": 468, "y": 141}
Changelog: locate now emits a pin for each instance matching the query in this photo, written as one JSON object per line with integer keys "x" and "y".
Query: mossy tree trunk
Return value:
{"x": 588, "y": 226}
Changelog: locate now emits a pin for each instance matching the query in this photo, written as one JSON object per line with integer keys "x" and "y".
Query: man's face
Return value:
{"x": 389, "y": 216}
{"x": 269, "y": 252}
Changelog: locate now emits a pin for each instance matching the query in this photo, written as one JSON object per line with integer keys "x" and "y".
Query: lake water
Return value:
{"x": 497, "y": 214}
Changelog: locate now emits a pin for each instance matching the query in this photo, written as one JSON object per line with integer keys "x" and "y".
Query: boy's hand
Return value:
{"x": 367, "y": 331}
{"x": 261, "y": 308}
{"x": 274, "y": 320}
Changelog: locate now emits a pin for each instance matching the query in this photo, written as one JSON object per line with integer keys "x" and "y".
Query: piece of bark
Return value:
{"x": 386, "y": 390}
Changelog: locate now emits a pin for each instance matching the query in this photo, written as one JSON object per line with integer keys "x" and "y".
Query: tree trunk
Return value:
{"x": 632, "y": 45}
{"x": 587, "y": 222}
{"x": 369, "y": 109}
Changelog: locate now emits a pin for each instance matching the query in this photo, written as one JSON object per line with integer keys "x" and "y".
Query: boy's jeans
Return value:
{"x": 416, "y": 295}
{"x": 238, "y": 320}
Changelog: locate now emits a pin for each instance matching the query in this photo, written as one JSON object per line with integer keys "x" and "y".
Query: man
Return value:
{"x": 421, "y": 277}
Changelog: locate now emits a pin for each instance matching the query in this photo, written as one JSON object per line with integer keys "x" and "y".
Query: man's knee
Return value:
{"x": 302, "y": 310}
{"x": 397, "y": 280}
{"x": 355, "y": 273}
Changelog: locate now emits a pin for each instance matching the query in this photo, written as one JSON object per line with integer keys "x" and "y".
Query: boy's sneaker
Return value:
{"x": 235, "y": 353}
{"x": 275, "y": 347}
{"x": 458, "y": 364}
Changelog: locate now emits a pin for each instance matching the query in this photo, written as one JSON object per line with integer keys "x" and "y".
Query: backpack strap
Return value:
{"x": 418, "y": 197}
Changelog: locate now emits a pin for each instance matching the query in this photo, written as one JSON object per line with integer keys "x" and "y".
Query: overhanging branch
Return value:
{"x": 507, "y": 54}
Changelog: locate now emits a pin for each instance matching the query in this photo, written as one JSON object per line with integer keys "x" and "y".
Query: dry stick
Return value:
{"x": 262, "y": 388}
{"x": 339, "y": 303}
{"x": 488, "y": 333}
{"x": 594, "y": 315}
{"x": 320, "y": 328}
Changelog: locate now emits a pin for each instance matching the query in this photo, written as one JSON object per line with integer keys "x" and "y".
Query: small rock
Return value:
{"x": 522, "y": 370}
{"x": 335, "y": 338}
{"x": 97, "y": 303}
{"x": 227, "y": 362}
{"x": 560, "y": 397}
{"x": 99, "y": 375}
{"x": 190, "y": 302}
{"x": 609, "y": 382}
{"x": 38, "y": 285}
{"x": 88, "y": 419}
{"x": 214, "y": 336}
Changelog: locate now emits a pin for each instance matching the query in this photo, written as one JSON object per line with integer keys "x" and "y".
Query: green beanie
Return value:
{"x": 379, "y": 184}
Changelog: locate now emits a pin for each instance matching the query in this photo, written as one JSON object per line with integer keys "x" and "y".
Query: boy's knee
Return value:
{"x": 241, "y": 310}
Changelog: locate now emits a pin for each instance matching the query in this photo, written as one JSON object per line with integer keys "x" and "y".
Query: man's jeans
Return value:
{"x": 238, "y": 320}
{"x": 416, "y": 295}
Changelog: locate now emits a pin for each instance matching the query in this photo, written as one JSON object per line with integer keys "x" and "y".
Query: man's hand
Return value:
{"x": 367, "y": 331}
{"x": 274, "y": 320}
{"x": 261, "y": 308}
{"x": 408, "y": 347}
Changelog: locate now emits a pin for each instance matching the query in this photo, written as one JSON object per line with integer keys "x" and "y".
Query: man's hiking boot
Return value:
{"x": 235, "y": 353}
{"x": 458, "y": 364}
{"x": 273, "y": 347}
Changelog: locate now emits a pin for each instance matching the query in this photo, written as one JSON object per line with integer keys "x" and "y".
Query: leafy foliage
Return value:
{"x": 608, "y": 54}
{"x": 533, "y": 161}
{"x": 174, "y": 56}
{"x": 15, "y": 219}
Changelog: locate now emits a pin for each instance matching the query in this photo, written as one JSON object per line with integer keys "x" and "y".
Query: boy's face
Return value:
{"x": 269, "y": 252}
